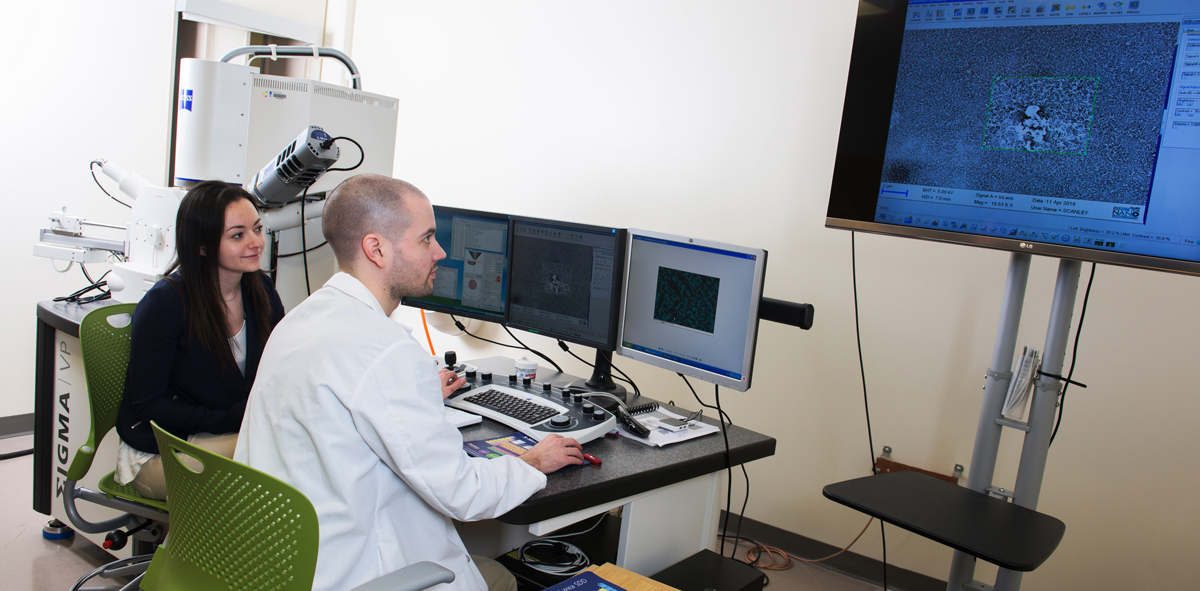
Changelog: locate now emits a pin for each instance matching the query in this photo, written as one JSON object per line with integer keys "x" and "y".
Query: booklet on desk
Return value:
{"x": 660, "y": 435}
{"x": 585, "y": 581}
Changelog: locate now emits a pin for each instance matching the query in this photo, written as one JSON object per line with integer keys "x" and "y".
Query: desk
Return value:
{"x": 669, "y": 494}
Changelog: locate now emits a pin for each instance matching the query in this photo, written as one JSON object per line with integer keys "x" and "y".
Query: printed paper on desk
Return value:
{"x": 660, "y": 436}
{"x": 585, "y": 581}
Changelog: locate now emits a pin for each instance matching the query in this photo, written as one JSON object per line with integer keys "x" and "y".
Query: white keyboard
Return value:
{"x": 534, "y": 413}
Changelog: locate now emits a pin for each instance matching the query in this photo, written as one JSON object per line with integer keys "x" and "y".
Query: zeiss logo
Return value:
{"x": 185, "y": 100}
{"x": 1127, "y": 213}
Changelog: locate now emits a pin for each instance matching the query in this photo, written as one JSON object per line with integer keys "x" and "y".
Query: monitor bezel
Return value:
{"x": 618, "y": 289}
{"x": 457, "y": 313}
{"x": 760, "y": 273}
{"x": 858, "y": 162}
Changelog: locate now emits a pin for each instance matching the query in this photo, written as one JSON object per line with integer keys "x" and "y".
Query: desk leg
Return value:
{"x": 668, "y": 525}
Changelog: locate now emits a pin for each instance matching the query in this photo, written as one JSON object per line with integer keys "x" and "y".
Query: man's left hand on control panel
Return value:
{"x": 450, "y": 382}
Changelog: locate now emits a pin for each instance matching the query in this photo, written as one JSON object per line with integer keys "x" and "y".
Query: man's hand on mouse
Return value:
{"x": 554, "y": 452}
{"x": 450, "y": 382}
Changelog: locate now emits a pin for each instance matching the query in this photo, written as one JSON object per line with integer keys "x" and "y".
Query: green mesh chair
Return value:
{"x": 238, "y": 529}
{"x": 104, "y": 341}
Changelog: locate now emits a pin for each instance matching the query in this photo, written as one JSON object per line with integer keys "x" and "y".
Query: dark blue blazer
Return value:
{"x": 179, "y": 384}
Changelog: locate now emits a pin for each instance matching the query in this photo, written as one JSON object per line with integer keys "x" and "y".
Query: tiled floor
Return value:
{"x": 30, "y": 563}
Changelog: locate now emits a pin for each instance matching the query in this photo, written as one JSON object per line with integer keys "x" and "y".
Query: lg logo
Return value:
{"x": 1026, "y": 246}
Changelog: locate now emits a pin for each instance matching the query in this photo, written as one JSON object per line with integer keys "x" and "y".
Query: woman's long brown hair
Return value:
{"x": 199, "y": 226}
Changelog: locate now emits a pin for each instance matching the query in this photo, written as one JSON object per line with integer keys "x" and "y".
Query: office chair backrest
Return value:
{"x": 104, "y": 342}
{"x": 232, "y": 527}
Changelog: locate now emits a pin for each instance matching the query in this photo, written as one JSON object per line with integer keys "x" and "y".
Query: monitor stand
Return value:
{"x": 601, "y": 381}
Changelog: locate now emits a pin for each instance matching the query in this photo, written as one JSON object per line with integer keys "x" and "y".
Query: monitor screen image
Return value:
{"x": 691, "y": 306}
{"x": 473, "y": 280}
{"x": 566, "y": 280}
{"x": 1068, "y": 130}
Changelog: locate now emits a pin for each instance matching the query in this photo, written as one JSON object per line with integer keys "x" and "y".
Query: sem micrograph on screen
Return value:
{"x": 553, "y": 276}
{"x": 686, "y": 299}
{"x": 1065, "y": 112}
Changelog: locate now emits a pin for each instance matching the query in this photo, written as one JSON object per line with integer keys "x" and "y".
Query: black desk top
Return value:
{"x": 66, "y": 316}
{"x": 629, "y": 467}
{"x": 999, "y": 532}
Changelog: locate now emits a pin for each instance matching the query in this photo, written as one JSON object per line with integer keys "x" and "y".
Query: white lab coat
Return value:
{"x": 347, "y": 408}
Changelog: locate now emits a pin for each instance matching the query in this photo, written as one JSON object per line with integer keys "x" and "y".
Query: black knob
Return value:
{"x": 546, "y": 386}
{"x": 451, "y": 358}
{"x": 566, "y": 394}
{"x": 588, "y": 407}
{"x": 487, "y": 376}
{"x": 526, "y": 382}
{"x": 471, "y": 375}
{"x": 560, "y": 422}
{"x": 577, "y": 397}
{"x": 599, "y": 415}
{"x": 512, "y": 378}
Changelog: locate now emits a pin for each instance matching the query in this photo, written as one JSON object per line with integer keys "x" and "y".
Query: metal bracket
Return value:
{"x": 999, "y": 493}
{"x": 1013, "y": 424}
{"x": 887, "y": 452}
{"x": 958, "y": 471}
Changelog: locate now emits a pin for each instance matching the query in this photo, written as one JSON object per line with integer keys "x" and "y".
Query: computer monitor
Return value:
{"x": 1067, "y": 130}
{"x": 691, "y": 306}
{"x": 473, "y": 280}
{"x": 566, "y": 284}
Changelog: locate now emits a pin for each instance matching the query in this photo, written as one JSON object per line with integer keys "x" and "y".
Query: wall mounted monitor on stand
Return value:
{"x": 692, "y": 306}
{"x": 1067, "y": 130}
{"x": 566, "y": 284}
{"x": 473, "y": 280}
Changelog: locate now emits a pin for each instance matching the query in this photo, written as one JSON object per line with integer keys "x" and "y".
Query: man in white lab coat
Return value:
{"x": 347, "y": 407}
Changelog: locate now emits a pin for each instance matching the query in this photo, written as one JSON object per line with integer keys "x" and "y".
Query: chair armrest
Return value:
{"x": 413, "y": 577}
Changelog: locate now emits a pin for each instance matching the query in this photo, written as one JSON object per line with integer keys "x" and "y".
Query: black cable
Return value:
{"x": 628, "y": 380}
{"x": 463, "y": 328}
{"x": 531, "y": 350}
{"x": 304, "y": 240}
{"x": 361, "y": 153}
{"x": 92, "y": 169}
{"x": 1062, "y": 398}
{"x": 16, "y": 454}
{"x": 625, "y": 379}
{"x": 307, "y": 250}
{"x": 862, "y": 370}
{"x": 720, "y": 416}
{"x": 728, "y": 478}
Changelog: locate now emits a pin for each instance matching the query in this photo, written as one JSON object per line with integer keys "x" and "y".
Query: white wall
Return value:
{"x": 720, "y": 120}
{"x": 84, "y": 80}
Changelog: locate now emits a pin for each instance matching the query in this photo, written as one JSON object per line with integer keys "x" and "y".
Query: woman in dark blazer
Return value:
{"x": 198, "y": 335}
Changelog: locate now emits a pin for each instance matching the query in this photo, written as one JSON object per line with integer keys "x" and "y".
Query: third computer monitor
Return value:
{"x": 566, "y": 280}
{"x": 472, "y": 281}
{"x": 691, "y": 306}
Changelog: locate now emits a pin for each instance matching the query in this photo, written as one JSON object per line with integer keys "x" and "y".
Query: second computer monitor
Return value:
{"x": 566, "y": 280}
{"x": 691, "y": 306}
{"x": 472, "y": 281}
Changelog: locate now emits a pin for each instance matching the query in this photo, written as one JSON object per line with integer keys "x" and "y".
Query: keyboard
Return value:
{"x": 535, "y": 413}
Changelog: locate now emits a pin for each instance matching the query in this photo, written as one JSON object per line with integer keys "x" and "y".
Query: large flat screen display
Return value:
{"x": 1063, "y": 129}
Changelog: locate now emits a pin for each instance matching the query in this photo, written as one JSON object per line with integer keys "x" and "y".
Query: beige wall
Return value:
{"x": 715, "y": 119}
{"x": 720, "y": 120}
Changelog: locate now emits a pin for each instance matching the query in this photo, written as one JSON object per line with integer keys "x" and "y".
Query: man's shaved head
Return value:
{"x": 365, "y": 204}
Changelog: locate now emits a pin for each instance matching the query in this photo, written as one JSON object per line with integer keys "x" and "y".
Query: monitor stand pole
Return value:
{"x": 1044, "y": 400}
{"x": 601, "y": 380}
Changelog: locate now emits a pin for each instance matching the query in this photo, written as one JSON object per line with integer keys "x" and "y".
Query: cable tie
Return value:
{"x": 274, "y": 56}
{"x": 1060, "y": 378}
{"x": 316, "y": 51}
